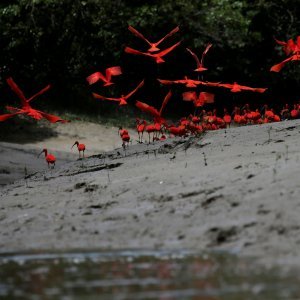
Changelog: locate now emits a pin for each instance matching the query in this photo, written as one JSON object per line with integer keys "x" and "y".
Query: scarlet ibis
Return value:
{"x": 200, "y": 100}
{"x": 227, "y": 117}
{"x": 150, "y": 128}
{"x": 290, "y": 46}
{"x": 190, "y": 83}
{"x": 80, "y": 147}
{"x": 152, "y": 110}
{"x": 295, "y": 112}
{"x": 140, "y": 127}
{"x": 153, "y": 46}
{"x": 26, "y": 107}
{"x": 200, "y": 66}
{"x": 235, "y": 88}
{"x": 123, "y": 99}
{"x": 109, "y": 72}
{"x": 158, "y": 57}
{"x": 50, "y": 158}
{"x": 124, "y": 136}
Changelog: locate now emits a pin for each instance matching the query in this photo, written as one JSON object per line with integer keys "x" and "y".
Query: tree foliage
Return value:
{"x": 64, "y": 41}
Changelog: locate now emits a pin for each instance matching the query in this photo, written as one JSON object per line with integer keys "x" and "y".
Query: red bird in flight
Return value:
{"x": 153, "y": 46}
{"x": 235, "y": 88}
{"x": 158, "y": 57}
{"x": 190, "y": 83}
{"x": 200, "y": 100}
{"x": 109, "y": 72}
{"x": 123, "y": 99}
{"x": 290, "y": 46}
{"x": 50, "y": 158}
{"x": 26, "y": 107}
{"x": 200, "y": 66}
{"x": 152, "y": 110}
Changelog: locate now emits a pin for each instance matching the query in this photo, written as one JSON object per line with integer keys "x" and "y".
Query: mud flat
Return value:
{"x": 235, "y": 190}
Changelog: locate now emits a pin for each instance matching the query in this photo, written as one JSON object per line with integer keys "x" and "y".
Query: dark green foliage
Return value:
{"x": 62, "y": 42}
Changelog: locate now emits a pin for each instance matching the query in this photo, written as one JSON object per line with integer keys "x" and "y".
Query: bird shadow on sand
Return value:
{"x": 22, "y": 131}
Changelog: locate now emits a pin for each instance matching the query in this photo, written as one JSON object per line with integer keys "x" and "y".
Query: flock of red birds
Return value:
{"x": 193, "y": 124}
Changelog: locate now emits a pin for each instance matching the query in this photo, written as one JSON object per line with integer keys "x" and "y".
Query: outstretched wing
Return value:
{"x": 132, "y": 92}
{"x": 207, "y": 97}
{"x": 163, "y": 81}
{"x": 138, "y": 34}
{"x": 165, "y": 102}
{"x": 195, "y": 57}
{"x": 168, "y": 50}
{"x": 135, "y": 52}
{"x": 112, "y": 71}
{"x": 176, "y": 29}
{"x": 52, "y": 118}
{"x": 7, "y": 116}
{"x": 17, "y": 90}
{"x": 189, "y": 96}
{"x": 40, "y": 92}
{"x": 93, "y": 78}
{"x": 97, "y": 96}
{"x": 147, "y": 108}
{"x": 205, "y": 52}
{"x": 278, "y": 67}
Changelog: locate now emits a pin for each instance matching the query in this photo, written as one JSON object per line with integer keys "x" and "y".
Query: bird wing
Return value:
{"x": 147, "y": 108}
{"x": 163, "y": 81}
{"x": 112, "y": 71}
{"x": 7, "y": 116}
{"x": 17, "y": 90}
{"x": 138, "y": 34}
{"x": 207, "y": 97}
{"x": 189, "y": 96}
{"x": 51, "y": 118}
{"x": 166, "y": 51}
{"x": 205, "y": 52}
{"x": 132, "y": 92}
{"x": 40, "y": 92}
{"x": 280, "y": 42}
{"x": 195, "y": 57}
{"x": 176, "y": 29}
{"x": 93, "y": 78}
{"x": 136, "y": 52}
{"x": 97, "y": 96}
{"x": 278, "y": 67}
{"x": 165, "y": 102}
{"x": 225, "y": 85}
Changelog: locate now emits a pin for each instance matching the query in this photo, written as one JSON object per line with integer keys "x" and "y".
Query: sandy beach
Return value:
{"x": 235, "y": 190}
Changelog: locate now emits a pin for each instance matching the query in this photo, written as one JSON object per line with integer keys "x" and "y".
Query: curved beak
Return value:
{"x": 73, "y": 145}
{"x": 40, "y": 154}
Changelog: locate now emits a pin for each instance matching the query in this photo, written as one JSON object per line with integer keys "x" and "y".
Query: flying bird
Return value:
{"x": 153, "y": 46}
{"x": 158, "y": 57}
{"x": 26, "y": 108}
{"x": 50, "y": 158}
{"x": 123, "y": 99}
{"x": 190, "y": 83}
{"x": 290, "y": 46}
{"x": 109, "y": 72}
{"x": 235, "y": 88}
{"x": 152, "y": 110}
{"x": 200, "y": 100}
{"x": 80, "y": 147}
{"x": 200, "y": 66}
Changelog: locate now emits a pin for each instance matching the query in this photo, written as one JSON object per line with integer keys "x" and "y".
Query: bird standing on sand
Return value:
{"x": 50, "y": 158}
{"x": 80, "y": 147}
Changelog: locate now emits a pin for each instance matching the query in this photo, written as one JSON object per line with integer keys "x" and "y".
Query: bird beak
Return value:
{"x": 73, "y": 146}
{"x": 40, "y": 154}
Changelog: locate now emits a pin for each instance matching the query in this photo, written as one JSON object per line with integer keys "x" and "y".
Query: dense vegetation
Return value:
{"x": 62, "y": 42}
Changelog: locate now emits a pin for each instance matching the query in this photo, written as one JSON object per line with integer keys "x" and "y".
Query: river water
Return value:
{"x": 142, "y": 274}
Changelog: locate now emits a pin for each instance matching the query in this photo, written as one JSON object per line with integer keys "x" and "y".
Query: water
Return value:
{"x": 142, "y": 275}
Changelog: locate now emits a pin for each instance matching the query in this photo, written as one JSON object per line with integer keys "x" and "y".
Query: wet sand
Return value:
{"x": 235, "y": 190}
